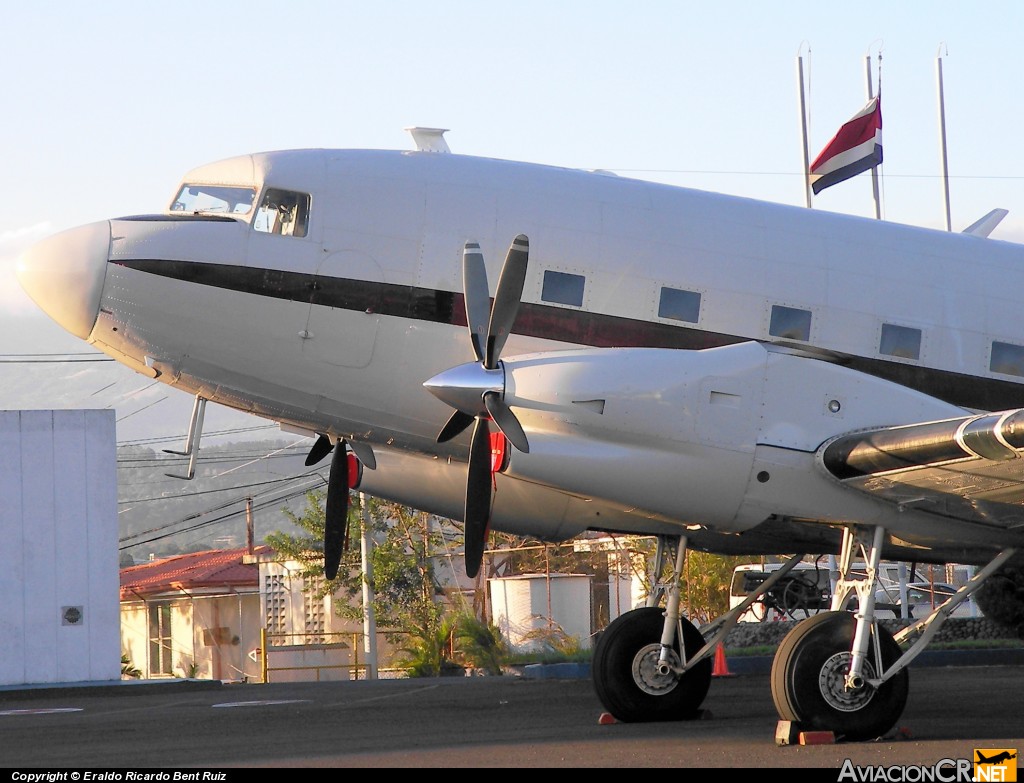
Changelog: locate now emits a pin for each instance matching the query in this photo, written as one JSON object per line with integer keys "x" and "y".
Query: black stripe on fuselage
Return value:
{"x": 553, "y": 323}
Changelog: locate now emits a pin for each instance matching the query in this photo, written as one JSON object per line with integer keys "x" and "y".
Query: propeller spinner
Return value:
{"x": 477, "y": 390}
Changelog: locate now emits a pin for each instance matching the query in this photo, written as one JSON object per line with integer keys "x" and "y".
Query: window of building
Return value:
{"x": 563, "y": 288}
{"x": 679, "y": 305}
{"x": 275, "y": 615}
{"x": 313, "y": 608}
{"x": 901, "y": 341}
{"x": 160, "y": 657}
{"x": 283, "y": 212}
{"x": 790, "y": 323}
{"x": 1007, "y": 359}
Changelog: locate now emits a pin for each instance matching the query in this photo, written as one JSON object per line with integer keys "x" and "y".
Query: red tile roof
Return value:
{"x": 218, "y": 568}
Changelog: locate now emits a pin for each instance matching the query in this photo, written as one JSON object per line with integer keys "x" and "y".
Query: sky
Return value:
{"x": 107, "y": 104}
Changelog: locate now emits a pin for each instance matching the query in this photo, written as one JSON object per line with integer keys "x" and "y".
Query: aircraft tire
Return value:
{"x": 625, "y": 676}
{"x": 808, "y": 680}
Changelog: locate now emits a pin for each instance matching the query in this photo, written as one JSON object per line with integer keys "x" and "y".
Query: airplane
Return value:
{"x": 725, "y": 374}
{"x": 996, "y": 759}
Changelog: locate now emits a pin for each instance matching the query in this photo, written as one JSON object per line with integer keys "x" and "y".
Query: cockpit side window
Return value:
{"x": 194, "y": 199}
{"x": 283, "y": 212}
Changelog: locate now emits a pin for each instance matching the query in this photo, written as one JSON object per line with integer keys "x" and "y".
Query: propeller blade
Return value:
{"x": 320, "y": 449}
{"x": 507, "y": 298}
{"x": 506, "y": 421}
{"x": 477, "y": 296}
{"x": 336, "y": 513}
{"x": 478, "y": 496}
{"x": 458, "y": 422}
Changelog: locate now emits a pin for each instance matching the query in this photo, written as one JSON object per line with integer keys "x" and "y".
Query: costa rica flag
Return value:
{"x": 855, "y": 148}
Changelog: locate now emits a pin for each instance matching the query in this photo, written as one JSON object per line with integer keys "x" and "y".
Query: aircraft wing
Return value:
{"x": 969, "y": 468}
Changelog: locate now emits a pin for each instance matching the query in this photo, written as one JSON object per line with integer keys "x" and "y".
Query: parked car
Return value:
{"x": 922, "y": 597}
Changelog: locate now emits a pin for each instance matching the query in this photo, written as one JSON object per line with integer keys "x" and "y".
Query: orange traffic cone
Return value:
{"x": 721, "y": 667}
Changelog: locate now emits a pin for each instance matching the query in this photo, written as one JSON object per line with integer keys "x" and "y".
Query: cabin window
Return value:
{"x": 563, "y": 288}
{"x": 160, "y": 658}
{"x": 1007, "y": 359}
{"x": 900, "y": 341}
{"x": 790, "y": 323}
{"x": 679, "y": 305}
{"x": 283, "y": 212}
{"x": 195, "y": 199}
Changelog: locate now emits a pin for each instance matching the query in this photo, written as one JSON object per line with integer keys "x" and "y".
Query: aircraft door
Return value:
{"x": 344, "y": 310}
{"x": 287, "y": 254}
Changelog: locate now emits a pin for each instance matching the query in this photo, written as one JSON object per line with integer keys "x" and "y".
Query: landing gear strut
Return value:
{"x": 653, "y": 664}
{"x": 829, "y": 673}
{"x": 843, "y": 672}
{"x": 646, "y": 665}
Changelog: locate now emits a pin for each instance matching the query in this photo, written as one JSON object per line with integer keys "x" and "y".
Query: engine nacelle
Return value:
{"x": 675, "y": 432}
{"x": 438, "y": 486}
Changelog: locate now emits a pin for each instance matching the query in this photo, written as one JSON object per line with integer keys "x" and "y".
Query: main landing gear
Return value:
{"x": 647, "y": 666}
{"x": 834, "y": 671}
{"x": 837, "y": 671}
{"x": 843, "y": 672}
{"x": 653, "y": 664}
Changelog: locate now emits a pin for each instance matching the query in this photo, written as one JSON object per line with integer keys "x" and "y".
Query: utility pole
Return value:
{"x": 250, "y": 532}
{"x": 369, "y": 619}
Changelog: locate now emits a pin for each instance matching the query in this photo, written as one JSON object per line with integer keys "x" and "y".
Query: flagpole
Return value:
{"x": 803, "y": 131}
{"x": 874, "y": 169}
{"x": 942, "y": 138}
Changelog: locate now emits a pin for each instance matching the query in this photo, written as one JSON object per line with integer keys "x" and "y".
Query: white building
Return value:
{"x": 58, "y": 524}
{"x": 196, "y": 616}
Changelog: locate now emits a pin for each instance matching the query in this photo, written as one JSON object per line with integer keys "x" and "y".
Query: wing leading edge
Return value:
{"x": 969, "y": 468}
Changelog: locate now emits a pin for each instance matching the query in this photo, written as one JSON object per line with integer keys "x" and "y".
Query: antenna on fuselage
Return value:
{"x": 429, "y": 139}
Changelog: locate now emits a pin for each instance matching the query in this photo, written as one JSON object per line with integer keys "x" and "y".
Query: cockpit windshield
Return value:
{"x": 195, "y": 199}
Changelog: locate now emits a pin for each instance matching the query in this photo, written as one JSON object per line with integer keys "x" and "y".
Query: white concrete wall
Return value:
{"x": 224, "y": 658}
{"x": 519, "y": 605}
{"x": 135, "y": 635}
{"x": 193, "y": 638}
{"x": 58, "y": 528}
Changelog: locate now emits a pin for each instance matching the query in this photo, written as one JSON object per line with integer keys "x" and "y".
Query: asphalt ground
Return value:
{"x": 475, "y": 722}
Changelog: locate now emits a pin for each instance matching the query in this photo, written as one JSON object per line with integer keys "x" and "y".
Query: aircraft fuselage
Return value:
{"x": 776, "y": 314}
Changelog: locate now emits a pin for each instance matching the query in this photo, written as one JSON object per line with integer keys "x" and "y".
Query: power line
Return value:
{"x": 83, "y": 360}
{"x": 801, "y": 174}
{"x": 168, "y": 462}
{"x": 139, "y": 410}
{"x": 211, "y": 433}
{"x": 223, "y": 518}
{"x": 221, "y": 489}
{"x": 60, "y": 353}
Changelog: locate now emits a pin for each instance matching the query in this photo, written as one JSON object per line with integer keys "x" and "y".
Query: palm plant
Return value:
{"x": 481, "y": 644}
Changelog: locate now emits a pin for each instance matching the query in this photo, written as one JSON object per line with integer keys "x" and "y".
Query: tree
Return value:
{"x": 1001, "y": 597}
{"x": 405, "y": 584}
{"x": 704, "y": 589}
{"x": 706, "y": 583}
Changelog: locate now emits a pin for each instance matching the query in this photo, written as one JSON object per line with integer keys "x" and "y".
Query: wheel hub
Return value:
{"x": 832, "y": 683}
{"x": 647, "y": 671}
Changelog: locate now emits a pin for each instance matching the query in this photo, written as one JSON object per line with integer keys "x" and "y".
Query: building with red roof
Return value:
{"x": 194, "y": 615}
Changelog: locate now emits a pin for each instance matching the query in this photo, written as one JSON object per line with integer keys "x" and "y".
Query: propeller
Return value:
{"x": 336, "y": 512}
{"x": 477, "y": 390}
{"x": 320, "y": 449}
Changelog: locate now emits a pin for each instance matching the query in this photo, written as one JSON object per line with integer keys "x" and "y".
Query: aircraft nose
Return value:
{"x": 64, "y": 275}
